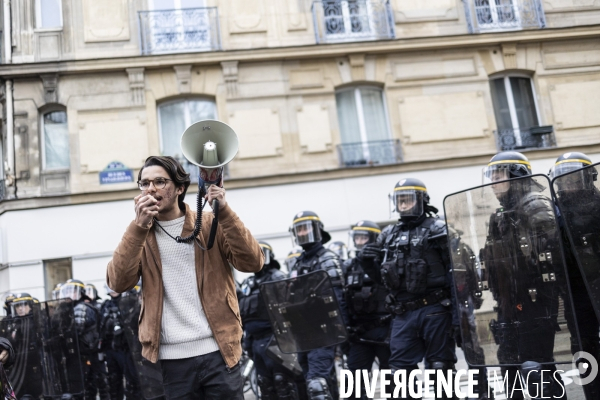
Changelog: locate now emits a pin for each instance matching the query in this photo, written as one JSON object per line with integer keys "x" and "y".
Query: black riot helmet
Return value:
{"x": 362, "y": 233}
{"x": 567, "y": 163}
{"x": 292, "y": 257}
{"x": 72, "y": 289}
{"x": 21, "y": 305}
{"x": 91, "y": 291}
{"x": 409, "y": 197}
{"x": 269, "y": 255}
{"x": 7, "y": 302}
{"x": 506, "y": 165}
{"x": 307, "y": 228}
{"x": 339, "y": 248}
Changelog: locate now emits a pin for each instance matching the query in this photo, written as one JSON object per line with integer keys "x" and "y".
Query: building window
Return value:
{"x": 55, "y": 141}
{"x": 55, "y": 272}
{"x": 48, "y": 14}
{"x": 173, "y": 118}
{"x": 501, "y": 15}
{"x": 179, "y": 26}
{"x": 352, "y": 20}
{"x": 364, "y": 129}
{"x": 517, "y": 116}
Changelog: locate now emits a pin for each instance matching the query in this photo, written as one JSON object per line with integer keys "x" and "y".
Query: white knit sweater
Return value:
{"x": 184, "y": 328}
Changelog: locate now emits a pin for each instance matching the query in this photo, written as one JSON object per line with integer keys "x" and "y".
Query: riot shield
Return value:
{"x": 509, "y": 274}
{"x": 149, "y": 374}
{"x": 304, "y": 312}
{"x": 577, "y": 195}
{"x": 47, "y": 355}
{"x": 287, "y": 361}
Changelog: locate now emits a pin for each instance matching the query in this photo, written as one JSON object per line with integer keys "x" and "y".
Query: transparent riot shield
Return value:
{"x": 60, "y": 360}
{"x": 304, "y": 312}
{"x": 149, "y": 374}
{"x": 577, "y": 195}
{"x": 26, "y": 374}
{"x": 509, "y": 274}
{"x": 287, "y": 361}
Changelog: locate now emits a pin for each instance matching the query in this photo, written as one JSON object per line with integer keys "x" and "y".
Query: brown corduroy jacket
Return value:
{"x": 137, "y": 255}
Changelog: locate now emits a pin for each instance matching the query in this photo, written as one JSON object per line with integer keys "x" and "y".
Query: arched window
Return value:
{"x": 517, "y": 115}
{"x": 364, "y": 127}
{"x": 55, "y": 141}
{"x": 174, "y": 117}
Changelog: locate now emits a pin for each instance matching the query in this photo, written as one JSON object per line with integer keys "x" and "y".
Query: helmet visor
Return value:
{"x": 408, "y": 202}
{"x": 305, "y": 232}
{"x": 267, "y": 253}
{"x": 70, "y": 291}
{"x": 359, "y": 238}
{"x": 21, "y": 308}
{"x": 573, "y": 181}
{"x": 566, "y": 167}
{"x": 91, "y": 292}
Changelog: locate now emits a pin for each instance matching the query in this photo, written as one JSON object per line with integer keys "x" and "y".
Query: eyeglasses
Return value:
{"x": 159, "y": 183}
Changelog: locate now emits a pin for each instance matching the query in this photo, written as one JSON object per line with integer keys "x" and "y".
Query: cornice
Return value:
{"x": 313, "y": 51}
{"x": 285, "y": 179}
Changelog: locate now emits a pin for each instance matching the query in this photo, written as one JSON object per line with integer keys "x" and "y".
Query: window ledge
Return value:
{"x": 43, "y": 30}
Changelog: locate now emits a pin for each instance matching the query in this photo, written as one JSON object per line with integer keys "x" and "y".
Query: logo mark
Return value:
{"x": 587, "y": 366}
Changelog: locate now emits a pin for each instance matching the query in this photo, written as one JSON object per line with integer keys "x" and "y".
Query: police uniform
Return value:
{"x": 527, "y": 306}
{"x": 411, "y": 260}
{"x": 581, "y": 204}
{"x": 317, "y": 365}
{"x": 369, "y": 321}
{"x": 274, "y": 380}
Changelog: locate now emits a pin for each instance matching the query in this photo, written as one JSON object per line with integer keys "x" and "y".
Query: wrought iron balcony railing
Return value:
{"x": 539, "y": 137}
{"x": 352, "y": 20}
{"x": 178, "y": 31}
{"x": 504, "y": 15}
{"x": 377, "y": 152}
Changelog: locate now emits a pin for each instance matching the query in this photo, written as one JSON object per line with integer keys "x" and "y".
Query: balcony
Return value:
{"x": 362, "y": 154}
{"x": 179, "y": 31}
{"x": 338, "y": 21}
{"x": 539, "y": 137}
{"x": 504, "y": 15}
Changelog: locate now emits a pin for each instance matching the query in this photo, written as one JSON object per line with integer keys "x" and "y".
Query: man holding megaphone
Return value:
{"x": 189, "y": 320}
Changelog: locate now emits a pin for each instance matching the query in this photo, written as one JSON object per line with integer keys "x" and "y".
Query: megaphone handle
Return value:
{"x": 213, "y": 227}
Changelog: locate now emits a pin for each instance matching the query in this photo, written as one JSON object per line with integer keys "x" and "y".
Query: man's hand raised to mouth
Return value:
{"x": 145, "y": 210}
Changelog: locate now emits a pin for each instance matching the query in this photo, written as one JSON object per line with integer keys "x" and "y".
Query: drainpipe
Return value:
{"x": 7, "y": 33}
{"x": 10, "y": 133}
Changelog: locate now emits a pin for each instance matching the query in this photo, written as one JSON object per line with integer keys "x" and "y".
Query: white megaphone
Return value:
{"x": 210, "y": 145}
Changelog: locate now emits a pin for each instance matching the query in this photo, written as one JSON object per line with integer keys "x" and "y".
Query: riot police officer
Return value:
{"x": 411, "y": 259}
{"x": 7, "y": 301}
{"x": 308, "y": 232}
{"x": 579, "y": 200}
{"x": 527, "y": 302}
{"x": 273, "y": 380}
{"x": 87, "y": 321}
{"x": 369, "y": 321}
{"x": 290, "y": 261}
{"x": 118, "y": 355}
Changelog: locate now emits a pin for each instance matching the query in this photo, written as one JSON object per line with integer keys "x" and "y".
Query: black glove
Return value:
{"x": 455, "y": 333}
{"x": 371, "y": 251}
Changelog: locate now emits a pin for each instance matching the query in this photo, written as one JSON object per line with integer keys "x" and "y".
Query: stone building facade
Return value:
{"x": 332, "y": 100}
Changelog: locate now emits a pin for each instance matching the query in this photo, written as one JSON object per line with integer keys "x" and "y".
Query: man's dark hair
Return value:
{"x": 176, "y": 173}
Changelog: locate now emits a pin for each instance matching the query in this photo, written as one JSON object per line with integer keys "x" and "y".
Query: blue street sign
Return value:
{"x": 115, "y": 172}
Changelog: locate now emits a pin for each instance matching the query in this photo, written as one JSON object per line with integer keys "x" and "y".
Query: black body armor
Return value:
{"x": 415, "y": 258}
{"x": 252, "y": 306}
{"x": 322, "y": 259}
{"x": 86, "y": 321}
{"x": 364, "y": 297}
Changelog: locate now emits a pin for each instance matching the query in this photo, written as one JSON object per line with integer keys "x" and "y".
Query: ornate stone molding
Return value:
{"x": 230, "y": 76}
{"x": 509, "y": 52}
{"x": 50, "y": 83}
{"x": 184, "y": 78}
{"x": 137, "y": 86}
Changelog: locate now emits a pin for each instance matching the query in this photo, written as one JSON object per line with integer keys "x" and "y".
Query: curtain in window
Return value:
{"x": 500, "y": 100}
{"x": 48, "y": 14}
{"x": 524, "y": 102}
{"x": 347, "y": 117}
{"x": 56, "y": 140}
{"x": 374, "y": 114}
